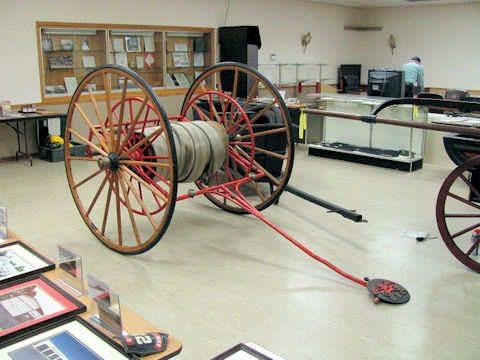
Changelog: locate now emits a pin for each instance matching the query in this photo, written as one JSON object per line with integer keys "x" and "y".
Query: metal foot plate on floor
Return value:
{"x": 387, "y": 291}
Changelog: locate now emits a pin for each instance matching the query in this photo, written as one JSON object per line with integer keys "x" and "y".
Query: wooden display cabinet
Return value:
{"x": 147, "y": 60}
{"x": 68, "y": 55}
{"x": 68, "y": 51}
{"x": 193, "y": 47}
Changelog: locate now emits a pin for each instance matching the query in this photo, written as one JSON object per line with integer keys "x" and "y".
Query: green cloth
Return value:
{"x": 414, "y": 74}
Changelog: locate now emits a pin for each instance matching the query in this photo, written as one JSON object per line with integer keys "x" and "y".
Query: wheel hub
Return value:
{"x": 110, "y": 162}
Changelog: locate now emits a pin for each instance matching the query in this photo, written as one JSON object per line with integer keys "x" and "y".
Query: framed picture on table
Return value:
{"x": 18, "y": 260}
{"x": 31, "y": 303}
{"x": 69, "y": 340}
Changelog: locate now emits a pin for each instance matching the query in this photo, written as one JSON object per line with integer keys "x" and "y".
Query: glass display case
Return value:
{"x": 188, "y": 55}
{"x": 67, "y": 55}
{"x": 168, "y": 58}
{"x": 373, "y": 144}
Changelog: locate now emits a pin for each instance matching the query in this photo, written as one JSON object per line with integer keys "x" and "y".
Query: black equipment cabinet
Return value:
{"x": 386, "y": 83}
{"x": 349, "y": 77}
{"x": 240, "y": 44}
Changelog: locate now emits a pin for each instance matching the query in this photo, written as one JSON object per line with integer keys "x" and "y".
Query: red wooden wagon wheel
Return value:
{"x": 118, "y": 167}
{"x": 458, "y": 214}
{"x": 233, "y": 102}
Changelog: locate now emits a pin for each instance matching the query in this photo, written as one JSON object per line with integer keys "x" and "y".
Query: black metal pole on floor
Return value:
{"x": 349, "y": 214}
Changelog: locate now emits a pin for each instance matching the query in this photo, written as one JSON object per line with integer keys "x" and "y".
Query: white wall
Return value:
{"x": 281, "y": 22}
{"x": 447, "y": 38}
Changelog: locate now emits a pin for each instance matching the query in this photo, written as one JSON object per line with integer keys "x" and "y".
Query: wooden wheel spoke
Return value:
{"x": 144, "y": 163}
{"x": 151, "y": 187}
{"x": 131, "y": 128}
{"x": 257, "y": 189}
{"x": 90, "y": 125}
{"x": 107, "y": 85}
{"x": 462, "y": 215}
{"x": 87, "y": 142}
{"x": 97, "y": 111}
{"x": 161, "y": 178}
{"x": 213, "y": 110}
{"x": 87, "y": 179}
{"x": 201, "y": 113}
{"x": 140, "y": 202}
{"x": 463, "y": 200}
{"x": 260, "y": 167}
{"x": 107, "y": 206}
{"x": 119, "y": 212}
{"x": 266, "y": 152}
{"x": 145, "y": 140}
{"x": 263, "y": 111}
{"x": 130, "y": 211}
{"x": 122, "y": 114}
{"x": 95, "y": 198}
{"x": 81, "y": 158}
{"x": 263, "y": 133}
{"x": 467, "y": 229}
{"x": 470, "y": 185}
{"x": 251, "y": 91}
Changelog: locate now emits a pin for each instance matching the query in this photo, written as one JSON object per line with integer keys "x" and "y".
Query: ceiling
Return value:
{"x": 385, "y": 3}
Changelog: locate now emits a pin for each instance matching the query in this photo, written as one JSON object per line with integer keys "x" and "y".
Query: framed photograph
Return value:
{"x": 18, "y": 260}
{"x": 149, "y": 43}
{"x": 47, "y": 45}
{"x": 85, "y": 45}
{"x": 66, "y": 44}
{"x": 31, "y": 303}
{"x": 75, "y": 339}
{"x": 242, "y": 352}
{"x": 121, "y": 59}
{"x": 60, "y": 62}
{"x": 88, "y": 61}
{"x": 180, "y": 59}
{"x": 132, "y": 44}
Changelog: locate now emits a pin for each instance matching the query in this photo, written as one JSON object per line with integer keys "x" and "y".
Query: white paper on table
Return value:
{"x": 118, "y": 45}
{"x": 181, "y": 47}
{"x": 198, "y": 59}
{"x": 54, "y": 126}
{"x": 149, "y": 43}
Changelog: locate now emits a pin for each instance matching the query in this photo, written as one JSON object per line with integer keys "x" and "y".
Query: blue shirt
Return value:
{"x": 414, "y": 74}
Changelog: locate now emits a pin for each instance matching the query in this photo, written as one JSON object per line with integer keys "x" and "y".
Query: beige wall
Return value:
{"x": 445, "y": 37}
{"x": 281, "y": 22}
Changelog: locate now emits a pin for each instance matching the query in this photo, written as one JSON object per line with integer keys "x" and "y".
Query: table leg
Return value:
{"x": 18, "y": 140}
{"x": 25, "y": 139}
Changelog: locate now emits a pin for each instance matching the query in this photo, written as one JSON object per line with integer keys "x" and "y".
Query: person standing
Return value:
{"x": 413, "y": 77}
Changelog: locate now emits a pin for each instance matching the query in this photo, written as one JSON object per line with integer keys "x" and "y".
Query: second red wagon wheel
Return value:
{"x": 257, "y": 122}
{"x": 458, "y": 213}
{"x": 105, "y": 182}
